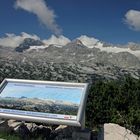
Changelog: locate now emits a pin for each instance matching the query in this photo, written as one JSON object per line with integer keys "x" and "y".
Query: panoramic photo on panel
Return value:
{"x": 41, "y": 98}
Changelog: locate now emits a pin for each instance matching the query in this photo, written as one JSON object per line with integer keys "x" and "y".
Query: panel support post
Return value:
{"x": 83, "y": 121}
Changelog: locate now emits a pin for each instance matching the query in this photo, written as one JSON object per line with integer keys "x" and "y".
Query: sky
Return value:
{"x": 111, "y": 21}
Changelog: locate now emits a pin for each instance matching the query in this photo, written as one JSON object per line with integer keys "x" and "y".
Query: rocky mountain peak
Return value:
{"x": 76, "y": 44}
{"x": 77, "y": 41}
{"x": 27, "y": 42}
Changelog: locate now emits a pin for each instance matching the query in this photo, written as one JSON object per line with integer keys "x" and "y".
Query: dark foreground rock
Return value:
{"x": 32, "y": 131}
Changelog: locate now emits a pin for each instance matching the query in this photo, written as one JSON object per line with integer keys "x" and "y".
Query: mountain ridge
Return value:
{"x": 71, "y": 60}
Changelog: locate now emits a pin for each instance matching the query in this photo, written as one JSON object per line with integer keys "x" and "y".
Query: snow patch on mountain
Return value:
{"x": 36, "y": 47}
{"x": 118, "y": 49}
{"x": 91, "y": 42}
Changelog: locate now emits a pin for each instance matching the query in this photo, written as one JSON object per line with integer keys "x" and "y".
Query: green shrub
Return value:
{"x": 114, "y": 102}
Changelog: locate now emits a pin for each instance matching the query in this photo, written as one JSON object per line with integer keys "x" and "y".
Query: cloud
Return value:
{"x": 61, "y": 40}
{"x": 45, "y": 15}
{"x": 132, "y": 18}
{"x": 12, "y": 40}
{"x": 88, "y": 41}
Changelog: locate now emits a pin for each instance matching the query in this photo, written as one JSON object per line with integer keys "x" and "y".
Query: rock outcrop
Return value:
{"x": 112, "y": 131}
{"x": 34, "y": 131}
{"x": 27, "y": 43}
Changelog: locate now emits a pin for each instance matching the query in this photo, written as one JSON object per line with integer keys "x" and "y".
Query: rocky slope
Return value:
{"x": 73, "y": 61}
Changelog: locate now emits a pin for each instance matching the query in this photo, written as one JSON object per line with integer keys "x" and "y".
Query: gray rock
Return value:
{"x": 13, "y": 123}
{"x": 64, "y": 132}
{"x": 41, "y": 132}
{"x": 4, "y": 127}
{"x": 24, "y": 132}
{"x": 31, "y": 126}
{"x": 60, "y": 128}
{"x": 16, "y": 129}
{"x": 116, "y": 132}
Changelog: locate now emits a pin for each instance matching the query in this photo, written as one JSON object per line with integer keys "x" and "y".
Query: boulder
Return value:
{"x": 31, "y": 126}
{"x": 60, "y": 128}
{"x": 4, "y": 127}
{"x": 112, "y": 131}
{"x": 23, "y": 131}
{"x": 41, "y": 132}
{"x": 13, "y": 124}
{"x": 64, "y": 132}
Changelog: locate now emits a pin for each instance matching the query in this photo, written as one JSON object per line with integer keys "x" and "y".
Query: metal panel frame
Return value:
{"x": 81, "y": 111}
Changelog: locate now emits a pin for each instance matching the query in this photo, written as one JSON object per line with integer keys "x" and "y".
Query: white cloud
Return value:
{"x": 42, "y": 11}
{"x": 132, "y": 18}
{"x": 12, "y": 40}
{"x": 88, "y": 41}
{"x": 60, "y": 41}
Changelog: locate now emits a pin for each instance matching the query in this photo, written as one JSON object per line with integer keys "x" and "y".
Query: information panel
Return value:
{"x": 43, "y": 101}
